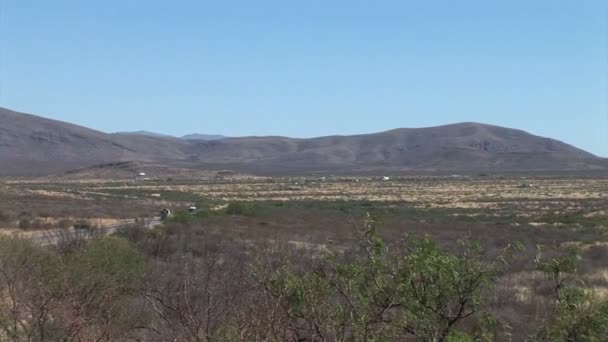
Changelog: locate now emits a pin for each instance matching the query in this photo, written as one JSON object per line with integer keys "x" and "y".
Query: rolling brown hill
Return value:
{"x": 32, "y": 145}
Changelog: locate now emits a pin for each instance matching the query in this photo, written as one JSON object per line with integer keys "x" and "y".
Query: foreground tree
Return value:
{"x": 417, "y": 290}
{"x": 29, "y": 290}
{"x": 578, "y": 313}
{"x": 100, "y": 284}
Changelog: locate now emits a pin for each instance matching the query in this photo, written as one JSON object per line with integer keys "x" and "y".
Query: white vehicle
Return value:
{"x": 165, "y": 214}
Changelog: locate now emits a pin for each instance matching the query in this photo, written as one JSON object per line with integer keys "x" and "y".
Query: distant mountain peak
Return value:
{"x": 197, "y": 136}
{"x": 148, "y": 134}
{"x": 194, "y": 136}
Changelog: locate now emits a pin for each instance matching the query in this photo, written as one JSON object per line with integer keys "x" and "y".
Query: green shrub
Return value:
{"x": 242, "y": 208}
{"x": 4, "y": 217}
{"x": 110, "y": 262}
{"x": 182, "y": 216}
{"x": 25, "y": 224}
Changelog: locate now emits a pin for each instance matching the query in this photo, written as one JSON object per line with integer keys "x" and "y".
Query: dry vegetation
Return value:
{"x": 536, "y": 201}
{"x": 261, "y": 225}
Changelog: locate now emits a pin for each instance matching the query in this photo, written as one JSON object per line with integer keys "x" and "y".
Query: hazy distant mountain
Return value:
{"x": 197, "y": 136}
{"x": 194, "y": 136}
{"x": 147, "y": 134}
{"x": 32, "y": 145}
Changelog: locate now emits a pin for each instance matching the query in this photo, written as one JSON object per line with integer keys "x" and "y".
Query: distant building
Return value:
{"x": 385, "y": 178}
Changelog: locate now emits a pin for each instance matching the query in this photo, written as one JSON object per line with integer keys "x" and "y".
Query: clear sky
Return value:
{"x": 310, "y": 68}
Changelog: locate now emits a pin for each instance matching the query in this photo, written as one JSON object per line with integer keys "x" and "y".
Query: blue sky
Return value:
{"x": 310, "y": 68}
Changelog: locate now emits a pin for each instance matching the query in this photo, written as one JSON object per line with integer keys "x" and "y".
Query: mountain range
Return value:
{"x": 32, "y": 145}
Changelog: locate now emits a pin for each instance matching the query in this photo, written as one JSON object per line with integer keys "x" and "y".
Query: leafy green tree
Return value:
{"x": 99, "y": 283}
{"x": 441, "y": 289}
{"x": 29, "y": 290}
{"x": 338, "y": 300}
{"x": 385, "y": 293}
{"x": 578, "y": 314}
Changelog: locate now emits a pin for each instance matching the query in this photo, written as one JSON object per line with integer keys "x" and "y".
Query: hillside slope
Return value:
{"x": 31, "y": 145}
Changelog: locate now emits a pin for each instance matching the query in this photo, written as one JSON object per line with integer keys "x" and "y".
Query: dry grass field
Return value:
{"x": 535, "y": 201}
